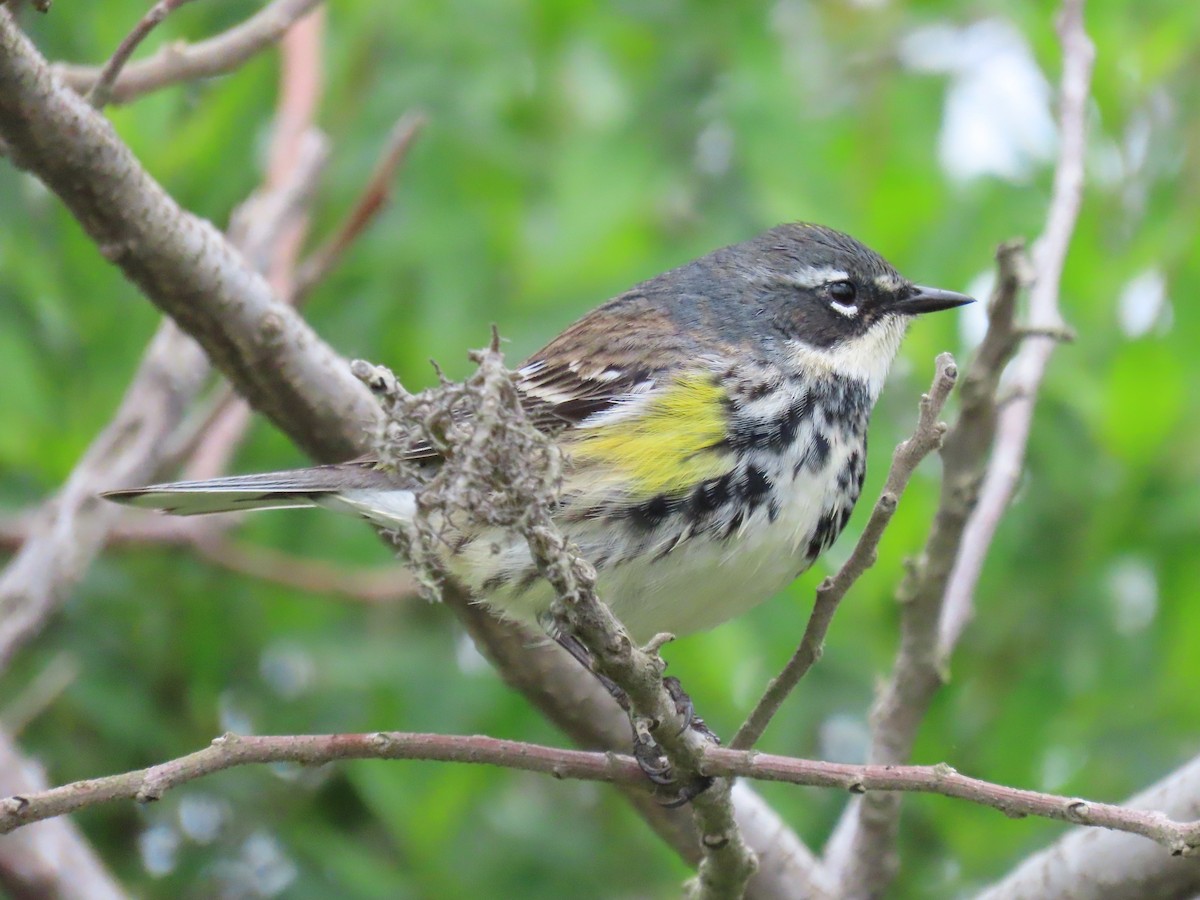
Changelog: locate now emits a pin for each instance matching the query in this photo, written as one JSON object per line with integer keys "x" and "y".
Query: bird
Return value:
{"x": 713, "y": 426}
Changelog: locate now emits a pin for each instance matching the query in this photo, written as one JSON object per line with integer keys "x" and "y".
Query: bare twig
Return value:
{"x": 385, "y": 584}
{"x": 101, "y": 91}
{"x": 373, "y": 199}
{"x": 907, "y": 456}
{"x": 1044, "y": 329}
{"x": 728, "y": 862}
{"x": 208, "y": 538}
{"x": 230, "y": 750}
{"x": 867, "y": 825}
{"x": 572, "y": 698}
{"x": 862, "y": 851}
{"x": 180, "y": 62}
{"x": 300, "y": 87}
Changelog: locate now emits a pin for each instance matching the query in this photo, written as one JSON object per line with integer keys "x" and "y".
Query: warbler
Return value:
{"x": 713, "y": 422}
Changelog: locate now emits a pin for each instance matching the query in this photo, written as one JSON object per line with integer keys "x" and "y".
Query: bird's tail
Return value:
{"x": 315, "y": 486}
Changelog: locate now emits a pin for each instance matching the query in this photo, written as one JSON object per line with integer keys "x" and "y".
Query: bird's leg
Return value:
{"x": 649, "y": 755}
{"x": 583, "y": 656}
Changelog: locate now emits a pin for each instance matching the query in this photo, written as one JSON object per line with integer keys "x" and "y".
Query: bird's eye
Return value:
{"x": 843, "y": 292}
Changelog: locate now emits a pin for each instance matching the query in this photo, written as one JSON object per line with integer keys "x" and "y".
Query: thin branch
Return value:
{"x": 862, "y": 851}
{"x": 179, "y": 62}
{"x": 574, "y": 701}
{"x": 908, "y": 455}
{"x": 208, "y": 539}
{"x": 230, "y": 750}
{"x": 1042, "y": 333}
{"x": 301, "y": 84}
{"x": 373, "y": 199}
{"x": 101, "y": 91}
{"x": 384, "y": 584}
{"x": 867, "y": 825}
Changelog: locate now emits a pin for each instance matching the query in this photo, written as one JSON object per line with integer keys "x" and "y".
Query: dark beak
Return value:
{"x": 926, "y": 299}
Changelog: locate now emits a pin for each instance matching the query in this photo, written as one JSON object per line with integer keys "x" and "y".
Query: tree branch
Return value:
{"x": 1045, "y": 328}
{"x": 373, "y": 199}
{"x": 177, "y": 259}
{"x": 101, "y": 91}
{"x": 230, "y": 750}
{"x": 907, "y": 456}
{"x": 180, "y": 61}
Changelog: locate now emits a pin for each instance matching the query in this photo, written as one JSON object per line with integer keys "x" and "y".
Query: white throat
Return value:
{"x": 865, "y": 358}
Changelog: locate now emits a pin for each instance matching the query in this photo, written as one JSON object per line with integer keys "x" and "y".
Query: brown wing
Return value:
{"x": 595, "y": 364}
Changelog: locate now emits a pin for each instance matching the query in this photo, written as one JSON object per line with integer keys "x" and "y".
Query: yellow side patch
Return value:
{"x": 668, "y": 447}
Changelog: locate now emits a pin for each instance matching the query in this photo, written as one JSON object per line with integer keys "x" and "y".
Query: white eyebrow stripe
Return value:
{"x": 889, "y": 283}
{"x": 815, "y": 276}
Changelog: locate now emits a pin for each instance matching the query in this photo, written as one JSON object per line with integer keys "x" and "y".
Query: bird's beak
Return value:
{"x": 926, "y": 299}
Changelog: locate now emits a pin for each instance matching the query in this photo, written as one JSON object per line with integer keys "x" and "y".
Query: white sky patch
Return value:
{"x": 1143, "y": 303}
{"x": 158, "y": 847}
{"x": 997, "y": 119}
{"x": 1059, "y": 765}
{"x": 231, "y": 715}
{"x": 264, "y": 866}
{"x": 593, "y": 87}
{"x": 973, "y": 318}
{"x": 1133, "y": 594}
{"x": 714, "y": 149}
{"x": 844, "y": 737}
{"x": 202, "y": 816}
{"x": 287, "y": 668}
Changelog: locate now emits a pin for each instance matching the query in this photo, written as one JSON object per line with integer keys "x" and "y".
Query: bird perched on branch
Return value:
{"x": 713, "y": 422}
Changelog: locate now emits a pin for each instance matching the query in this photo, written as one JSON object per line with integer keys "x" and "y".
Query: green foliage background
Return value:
{"x": 574, "y": 149}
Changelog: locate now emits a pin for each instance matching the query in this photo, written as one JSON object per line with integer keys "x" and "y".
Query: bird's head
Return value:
{"x": 832, "y": 302}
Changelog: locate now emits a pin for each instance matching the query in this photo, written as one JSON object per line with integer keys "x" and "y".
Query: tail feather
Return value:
{"x": 267, "y": 490}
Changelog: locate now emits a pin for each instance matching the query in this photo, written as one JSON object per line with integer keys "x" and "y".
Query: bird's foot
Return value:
{"x": 653, "y": 761}
{"x": 646, "y": 750}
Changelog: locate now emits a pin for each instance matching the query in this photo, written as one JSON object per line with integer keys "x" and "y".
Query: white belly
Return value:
{"x": 702, "y": 581}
